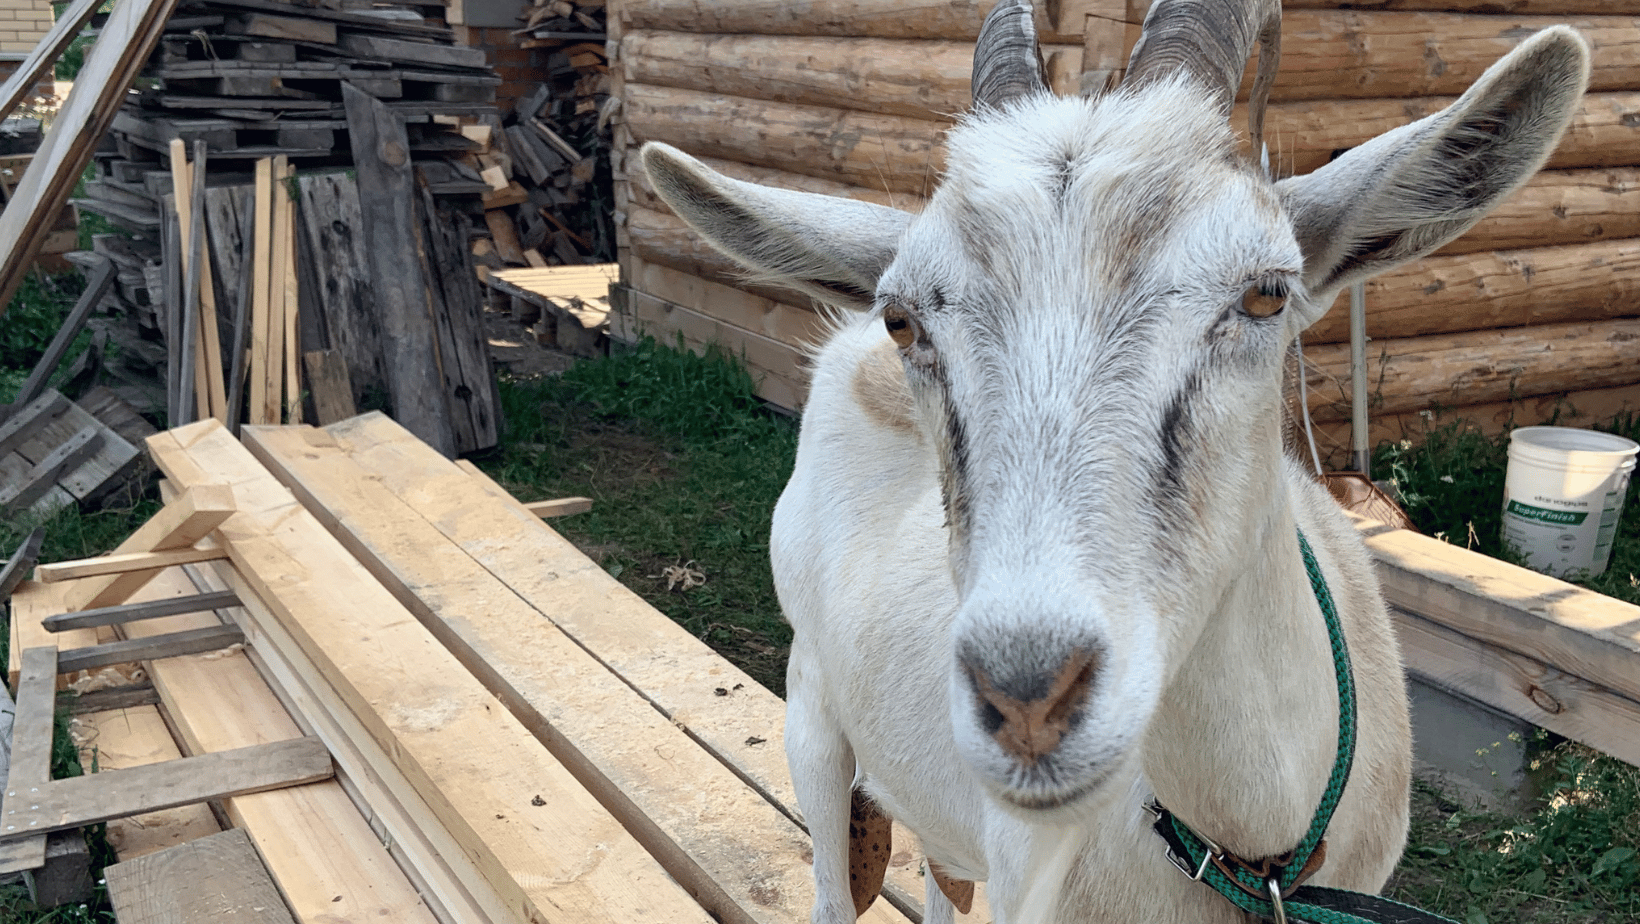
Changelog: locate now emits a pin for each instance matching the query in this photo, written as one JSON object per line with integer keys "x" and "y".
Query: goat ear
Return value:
{"x": 831, "y": 248}
{"x": 1409, "y": 191}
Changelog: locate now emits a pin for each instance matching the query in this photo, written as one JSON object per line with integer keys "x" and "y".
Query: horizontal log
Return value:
{"x": 1326, "y": 54}
{"x": 1304, "y": 135}
{"x": 783, "y": 321}
{"x": 1476, "y": 367}
{"x": 894, "y": 153}
{"x": 952, "y": 20}
{"x": 905, "y": 155}
{"x": 1511, "y": 7}
{"x": 1560, "y": 207}
{"x": 1336, "y": 54}
{"x": 917, "y": 78}
{"x": 1583, "y": 408}
{"x": 1496, "y": 289}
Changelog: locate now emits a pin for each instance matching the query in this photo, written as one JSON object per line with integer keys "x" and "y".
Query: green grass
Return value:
{"x": 1451, "y": 486}
{"x": 684, "y": 465}
{"x": 1575, "y": 859}
{"x": 38, "y": 309}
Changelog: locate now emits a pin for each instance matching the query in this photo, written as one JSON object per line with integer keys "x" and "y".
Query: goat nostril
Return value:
{"x": 1032, "y": 729}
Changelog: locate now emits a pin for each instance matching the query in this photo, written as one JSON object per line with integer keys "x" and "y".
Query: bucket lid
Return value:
{"x": 1573, "y": 439}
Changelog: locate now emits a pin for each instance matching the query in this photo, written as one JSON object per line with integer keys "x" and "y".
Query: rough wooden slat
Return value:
{"x": 43, "y": 476}
{"x": 178, "y": 525}
{"x": 387, "y": 197}
{"x": 468, "y": 757}
{"x": 95, "y": 288}
{"x": 462, "y": 346}
{"x": 32, "y": 728}
{"x": 333, "y": 242}
{"x": 121, "y": 564}
{"x": 560, "y": 507}
{"x": 213, "y": 879}
{"x": 170, "y": 645}
{"x": 83, "y": 800}
{"x": 18, "y": 428}
{"x": 18, "y": 565}
{"x": 122, "y": 48}
{"x": 131, "y": 612}
{"x": 329, "y": 385}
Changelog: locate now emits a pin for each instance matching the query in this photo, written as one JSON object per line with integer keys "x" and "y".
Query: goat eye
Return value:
{"x": 1264, "y": 299}
{"x": 900, "y": 328}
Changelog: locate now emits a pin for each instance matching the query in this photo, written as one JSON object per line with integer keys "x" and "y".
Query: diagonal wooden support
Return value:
{"x": 58, "y": 805}
{"x": 181, "y": 523}
{"x": 30, "y": 755}
{"x": 18, "y": 565}
{"x": 120, "y": 564}
{"x": 132, "y": 612}
{"x": 169, "y": 645}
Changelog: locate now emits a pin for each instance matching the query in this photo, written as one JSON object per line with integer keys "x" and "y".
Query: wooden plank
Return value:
{"x": 21, "y": 561}
{"x": 95, "y": 288}
{"x": 329, "y": 385}
{"x": 132, "y": 612}
{"x": 122, "y": 564}
{"x": 122, "y": 48}
{"x": 32, "y": 69}
{"x": 1578, "y": 631}
{"x": 211, "y": 879}
{"x": 292, "y": 350}
{"x": 476, "y": 766}
{"x": 1522, "y": 686}
{"x": 134, "y": 736}
{"x": 170, "y": 645}
{"x": 371, "y": 46}
{"x": 31, "y": 737}
{"x": 333, "y": 243}
{"x": 192, "y": 381}
{"x": 43, "y": 475}
{"x": 561, "y": 507}
{"x": 261, "y": 293}
{"x": 462, "y": 347}
{"x": 20, "y": 426}
{"x": 108, "y": 700}
{"x": 83, "y": 800}
{"x": 292, "y": 28}
{"x": 105, "y": 469}
{"x": 178, "y": 525}
{"x": 324, "y": 855}
{"x": 273, "y": 394}
{"x": 743, "y": 727}
{"x": 399, "y": 283}
{"x": 721, "y": 840}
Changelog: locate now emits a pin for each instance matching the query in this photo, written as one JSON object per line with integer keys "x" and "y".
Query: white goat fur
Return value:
{"x": 1076, "y": 284}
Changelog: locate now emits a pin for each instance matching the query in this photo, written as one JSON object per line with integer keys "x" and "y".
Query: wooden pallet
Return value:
{"x": 565, "y": 306}
{"x": 53, "y": 453}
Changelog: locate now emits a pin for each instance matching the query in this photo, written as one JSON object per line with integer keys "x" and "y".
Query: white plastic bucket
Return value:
{"x": 1562, "y": 497}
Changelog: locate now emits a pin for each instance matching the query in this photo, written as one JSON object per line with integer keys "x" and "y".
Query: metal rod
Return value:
{"x": 1360, "y": 451}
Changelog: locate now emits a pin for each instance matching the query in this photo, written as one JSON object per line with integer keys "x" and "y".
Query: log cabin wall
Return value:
{"x": 1534, "y": 315}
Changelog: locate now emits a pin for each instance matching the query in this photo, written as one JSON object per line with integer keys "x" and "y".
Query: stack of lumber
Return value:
{"x": 549, "y": 202}
{"x": 563, "y": 307}
{"x": 516, "y": 736}
{"x": 1530, "y": 313}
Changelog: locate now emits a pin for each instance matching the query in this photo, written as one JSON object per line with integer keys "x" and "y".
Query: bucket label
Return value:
{"x": 1542, "y": 515}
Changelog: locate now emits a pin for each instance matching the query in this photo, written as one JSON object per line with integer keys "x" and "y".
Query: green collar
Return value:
{"x": 1258, "y": 887}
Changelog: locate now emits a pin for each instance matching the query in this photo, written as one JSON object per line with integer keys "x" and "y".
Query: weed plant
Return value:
{"x": 684, "y": 465}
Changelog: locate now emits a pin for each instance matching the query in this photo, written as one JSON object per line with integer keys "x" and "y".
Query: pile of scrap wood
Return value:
{"x": 294, "y": 208}
{"x": 514, "y": 734}
{"x": 549, "y": 201}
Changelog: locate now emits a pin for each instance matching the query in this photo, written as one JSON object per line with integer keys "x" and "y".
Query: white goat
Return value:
{"x": 1040, "y": 550}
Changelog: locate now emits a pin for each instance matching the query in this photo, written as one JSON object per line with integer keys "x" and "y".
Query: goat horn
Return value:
{"x": 1007, "y": 62}
{"x": 1210, "y": 39}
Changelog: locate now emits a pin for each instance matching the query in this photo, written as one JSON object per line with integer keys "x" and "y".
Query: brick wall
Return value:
{"x": 521, "y": 69}
{"x": 22, "y": 24}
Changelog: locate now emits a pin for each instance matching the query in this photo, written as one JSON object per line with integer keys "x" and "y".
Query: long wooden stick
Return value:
{"x": 274, "y": 370}
{"x": 242, "y": 313}
{"x": 261, "y": 293}
{"x": 191, "y": 354}
{"x": 293, "y": 350}
{"x": 211, "y": 338}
